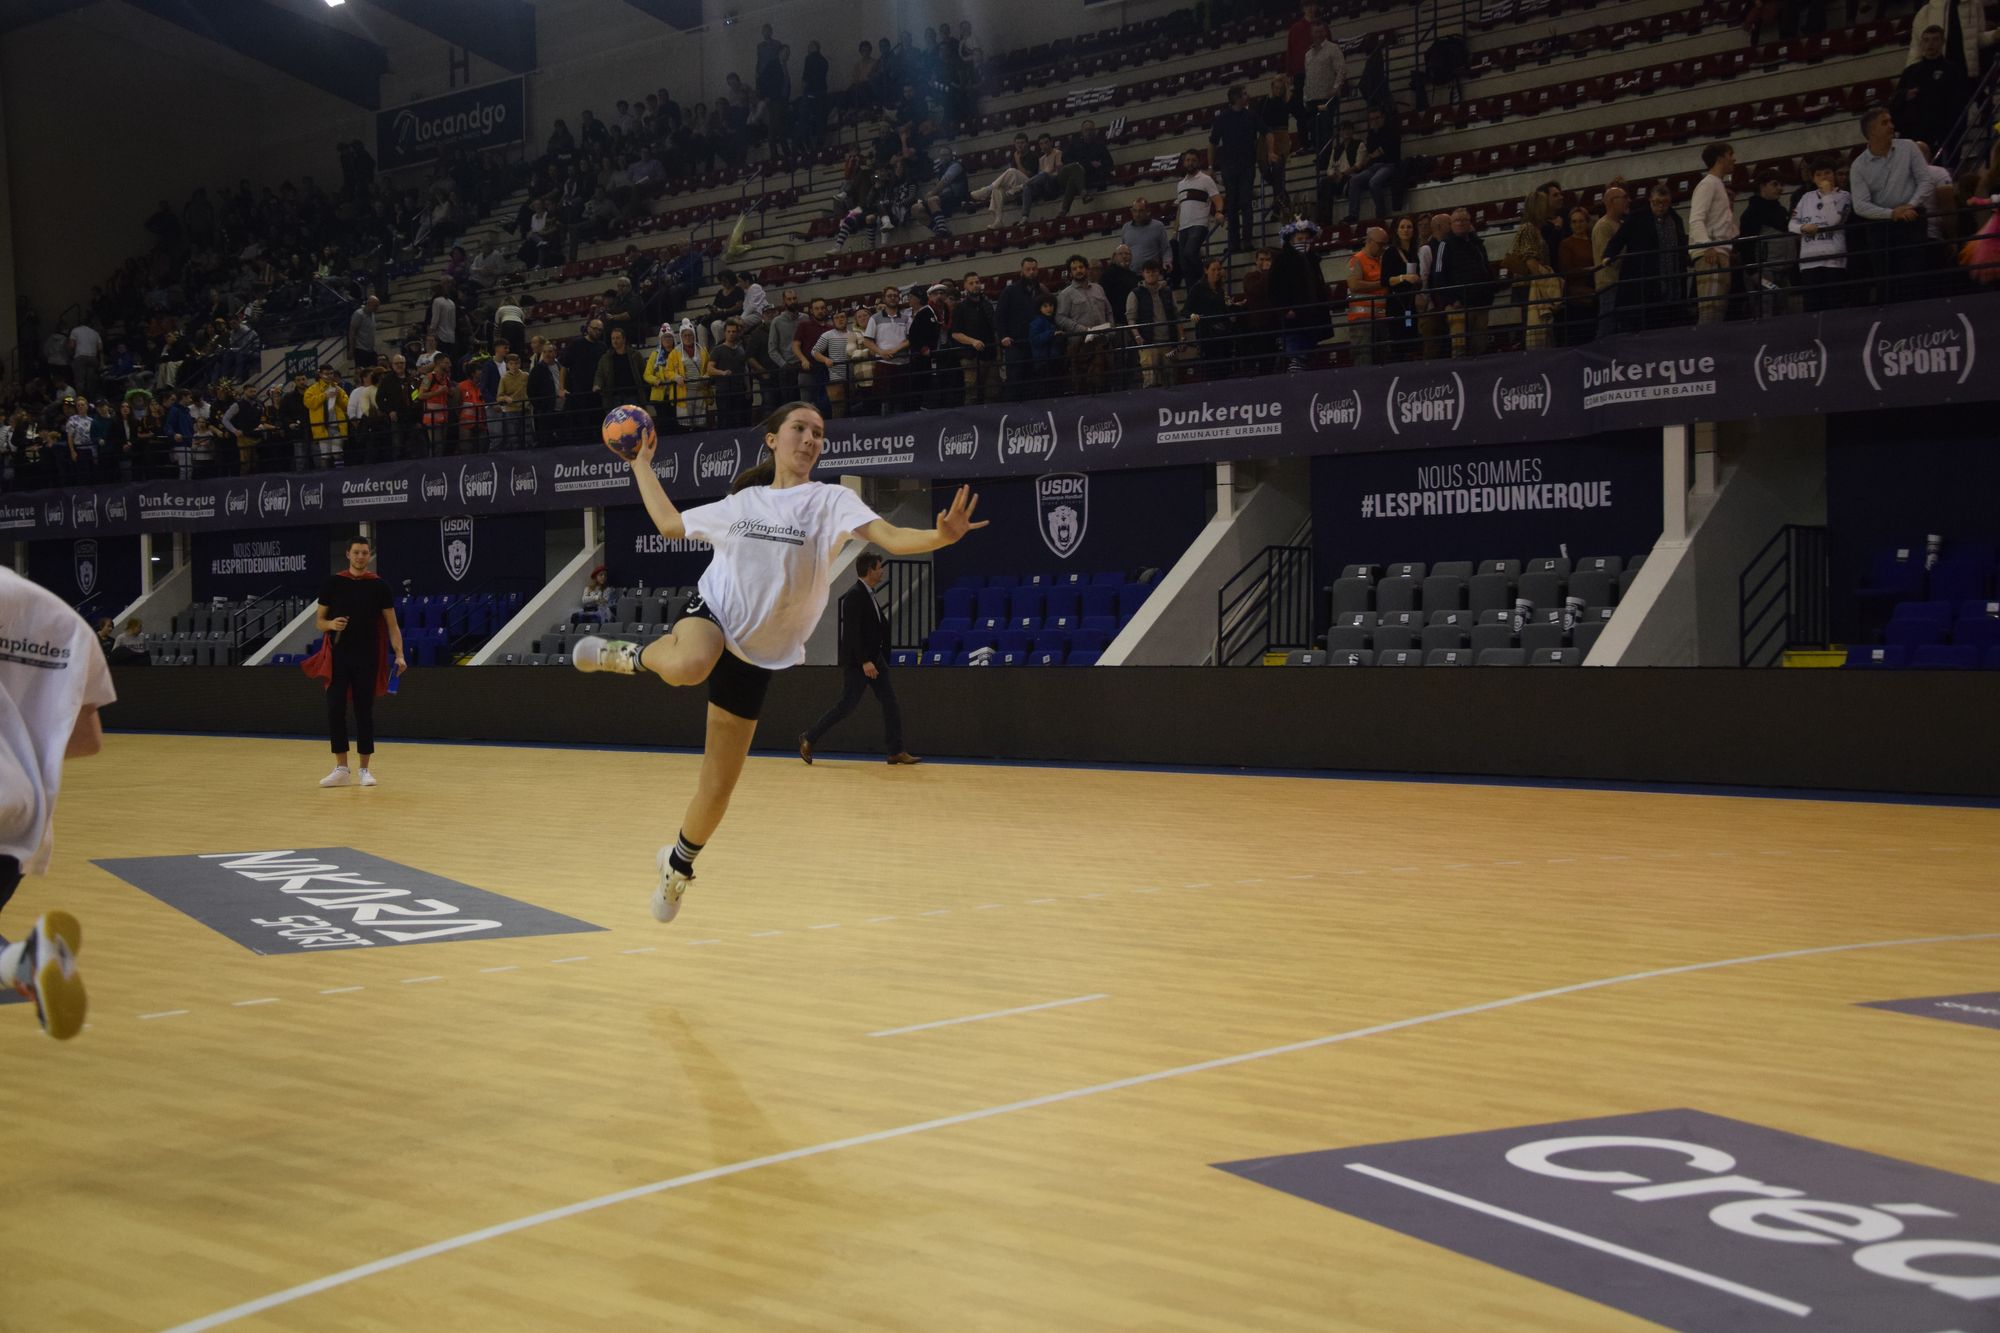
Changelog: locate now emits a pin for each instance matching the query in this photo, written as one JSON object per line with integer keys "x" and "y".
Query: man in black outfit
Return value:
{"x": 355, "y": 612}
{"x": 864, "y": 661}
{"x": 1232, "y": 141}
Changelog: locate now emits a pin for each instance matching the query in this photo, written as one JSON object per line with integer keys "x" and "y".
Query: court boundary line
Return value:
{"x": 468, "y": 1239}
{"x": 1665, "y": 788}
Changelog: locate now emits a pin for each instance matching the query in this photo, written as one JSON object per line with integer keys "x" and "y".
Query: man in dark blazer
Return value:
{"x": 864, "y": 661}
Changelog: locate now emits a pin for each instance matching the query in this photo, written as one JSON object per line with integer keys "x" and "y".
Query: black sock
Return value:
{"x": 682, "y": 856}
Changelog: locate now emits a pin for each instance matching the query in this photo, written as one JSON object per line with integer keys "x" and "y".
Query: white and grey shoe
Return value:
{"x": 337, "y": 778}
{"x": 43, "y": 968}
{"x": 592, "y": 653}
{"x": 367, "y": 778}
{"x": 667, "y": 892}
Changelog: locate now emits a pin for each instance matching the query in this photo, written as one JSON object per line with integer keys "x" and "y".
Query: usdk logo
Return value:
{"x": 114, "y": 509}
{"x": 86, "y": 566}
{"x": 1062, "y": 504}
{"x": 312, "y": 497}
{"x": 479, "y": 482}
{"x": 1944, "y": 353}
{"x": 1335, "y": 411}
{"x": 1027, "y": 438}
{"x": 455, "y": 539}
{"x": 1529, "y": 397}
{"x": 436, "y": 488}
{"x": 236, "y": 504}
{"x": 1426, "y": 403}
{"x": 1099, "y": 432}
{"x": 717, "y": 462}
{"x": 523, "y": 480}
{"x": 1790, "y": 365}
{"x": 274, "y": 498}
{"x": 83, "y": 510}
{"x": 959, "y": 445}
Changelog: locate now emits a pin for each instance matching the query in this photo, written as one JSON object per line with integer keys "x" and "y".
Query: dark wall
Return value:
{"x": 501, "y": 553}
{"x": 1895, "y": 732}
{"x": 1893, "y": 477}
{"x": 99, "y": 576}
{"x": 635, "y": 552}
{"x": 1469, "y": 504}
{"x": 1125, "y": 521}
{"x": 251, "y": 563}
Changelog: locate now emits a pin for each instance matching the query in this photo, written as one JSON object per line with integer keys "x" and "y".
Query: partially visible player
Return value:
{"x": 775, "y": 539}
{"x": 52, "y": 682}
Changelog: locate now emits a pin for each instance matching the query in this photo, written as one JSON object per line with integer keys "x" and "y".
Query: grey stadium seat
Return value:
{"x": 1451, "y": 657}
{"x": 1351, "y": 657}
{"x": 1448, "y": 629}
{"x": 1347, "y": 638}
{"x": 1406, "y": 570}
{"x": 1503, "y": 657}
{"x": 1493, "y": 585}
{"x": 1585, "y": 635}
{"x": 1399, "y": 658}
{"x": 1543, "y": 587}
{"x": 1491, "y": 638}
{"x": 1548, "y": 564}
{"x": 1597, "y": 587}
{"x": 1351, "y": 595}
{"x": 538, "y": 659}
{"x": 1556, "y": 657}
{"x": 1444, "y": 591}
{"x": 1541, "y": 636}
{"x": 1398, "y": 593}
{"x": 1357, "y": 620}
{"x": 1305, "y": 657}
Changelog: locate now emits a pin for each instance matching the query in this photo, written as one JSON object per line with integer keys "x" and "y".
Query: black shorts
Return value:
{"x": 734, "y": 686}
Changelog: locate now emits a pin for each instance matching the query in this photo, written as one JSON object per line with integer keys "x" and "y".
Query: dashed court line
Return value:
{"x": 245, "y": 1004}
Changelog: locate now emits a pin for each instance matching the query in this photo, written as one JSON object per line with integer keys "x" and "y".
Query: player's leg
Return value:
{"x": 683, "y": 656}
{"x": 336, "y": 726}
{"x": 43, "y": 965}
{"x": 723, "y": 751}
{"x": 363, "y": 686}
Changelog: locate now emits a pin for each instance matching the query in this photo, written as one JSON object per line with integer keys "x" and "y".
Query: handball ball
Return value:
{"x": 627, "y": 430}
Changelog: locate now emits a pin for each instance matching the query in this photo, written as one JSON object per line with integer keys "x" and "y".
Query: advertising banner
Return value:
{"x": 99, "y": 576}
{"x": 493, "y": 115}
{"x": 250, "y": 564}
{"x": 1918, "y": 355}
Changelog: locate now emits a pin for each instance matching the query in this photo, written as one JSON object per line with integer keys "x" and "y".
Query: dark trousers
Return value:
{"x": 10, "y": 879}
{"x": 354, "y": 674}
{"x": 1239, "y": 190}
{"x": 855, "y": 683}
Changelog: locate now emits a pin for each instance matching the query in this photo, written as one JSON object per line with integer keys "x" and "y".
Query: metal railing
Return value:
{"x": 910, "y": 602}
{"x": 1265, "y": 605}
{"x": 1782, "y": 597}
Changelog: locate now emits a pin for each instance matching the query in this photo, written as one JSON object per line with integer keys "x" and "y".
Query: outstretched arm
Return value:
{"x": 952, "y": 525}
{"x": 658, "y": 507}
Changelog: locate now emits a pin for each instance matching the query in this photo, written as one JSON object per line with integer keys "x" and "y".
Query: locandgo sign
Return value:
{"x": 493, "y": 115}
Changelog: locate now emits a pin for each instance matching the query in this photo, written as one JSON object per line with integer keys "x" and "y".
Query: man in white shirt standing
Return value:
{"x": 1197, "y": 199}
{"x": 52, "y": 682}
{"x": 86, "y": 357}
{"x": 1712, "y": 231}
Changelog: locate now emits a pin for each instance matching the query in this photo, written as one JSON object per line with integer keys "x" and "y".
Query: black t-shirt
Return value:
{"x": 362, "y": 601}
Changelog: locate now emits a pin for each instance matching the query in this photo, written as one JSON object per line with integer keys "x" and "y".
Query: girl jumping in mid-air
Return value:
{"x": 775, "y": 538}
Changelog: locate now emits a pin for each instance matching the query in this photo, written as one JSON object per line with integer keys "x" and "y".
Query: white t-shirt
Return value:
{"x": 87, "y": 341}
{"x": 1193, "y": 196}
{"x": 774, "y": 551}
{"x": 51, "y": 665}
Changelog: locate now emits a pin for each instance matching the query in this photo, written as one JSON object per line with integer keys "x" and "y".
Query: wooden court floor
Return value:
{"x": 236, "y": 1127}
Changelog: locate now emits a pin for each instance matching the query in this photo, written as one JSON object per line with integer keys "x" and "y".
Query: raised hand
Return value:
{"x": 955, "y": 522}
{"x": 642, "y": 458}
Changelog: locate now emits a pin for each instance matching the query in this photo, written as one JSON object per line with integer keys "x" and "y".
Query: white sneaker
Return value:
{"x": 43, "y": 968}
{"x": 337, "y": 778}
{"x": 367, "y": 778}
{"x": 594, "y": 654}
{"x": 667, "y": 893}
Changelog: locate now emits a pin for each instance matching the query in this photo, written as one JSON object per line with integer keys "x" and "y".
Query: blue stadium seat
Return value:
{"x": 1073, "y": 578}
{"x": 1914, "y": 624}
{"x": 1106, "y": 580}
{"x": 1894, "y": 575}
{"x": 945, "y": 641}
{"x": 1088, "y": 658}
{"x": 1062, "y": 600}
{"x": 1869, "y": 658}
{"x": 956, "y": 624}
{"x": 990, "y": 623}
{"x": 1991, "y": 661}
{"x": 1131, "y": 597}
{"x": 958, "y": 604}
{"x": 1961, "y": 578}
{"x": 1026, "y": 624}
{"x": 1005, "y": 658}
{"x": 939, "y": 656}
{"x": 1092, "y": 641}
{"x": 1002, "y": 581}
{"x": 1978, "y": 624}
{"x": 962, "y": 659}
{"x": 1045, "y": 657}
{"x": 1037, "y": 580}
{"x": 906, "y": 657}
{"x": 992, "y": 604}
{"x": 1099, "y": 602}
{"x": 1026, "y": 603}
{"x": 1012, "y": 643}
{"x": 1108, "y": 625}
{"x": 1060, "y": 624}
{"x": 1051, "y": 641}
{"x": 967, "y": 583}
{"x": 1946, "y": 657}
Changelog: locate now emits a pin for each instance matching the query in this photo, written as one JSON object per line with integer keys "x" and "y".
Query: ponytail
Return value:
{"x": 764, "y": 472}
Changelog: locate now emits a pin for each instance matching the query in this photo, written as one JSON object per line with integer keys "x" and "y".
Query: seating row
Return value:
{"x": 1931, "y": 656}
{"x": 1976, "y": 624}
{"x": 1476, "y": 631}
{"x": 1485, "y": 585}
{"x": 1445, "y": 657}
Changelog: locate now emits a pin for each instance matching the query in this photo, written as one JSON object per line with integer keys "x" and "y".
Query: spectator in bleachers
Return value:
{"x": 1462, "y": 286}
{"x": 443, "y": 322}
{"x": 1195, "y": 200}
{"x": 1577, "y": 266}
{"x": 1208, "y": 318}
{"x": 1300, "y": 295}
{"x": 1012, "y": 180}
{"x": 1967, "y": 35}
{"x": 123, "y": 443}
{"x": 81, "y": 445}
{"x": 1403, "y": 270}
{"x": 1155, "y": 325}
{"x": 1381, "y": 158}
{"x": 1045, "y": 342}
{"x": 729, "y": 375}
{"x": 975, "y": 330}
{"x": 1319, "y": 90}
{"x": 620, "y": 378}
{"x": 935, "y": 380}
{"x": 687, "y": 383}
{"x": 1118, "y": 277}
{"x": 781, "y": 354}
{"x": 1367, "y": 294}
{"x": 830, "y": 354}
{"x": 1931, "y": 94}
{"x": 1528, "y": 263}
{"x": 1274, "y": 146}
{"x": 1431, "y": 319}
{"x": 1766, "y": 249}
{"x": 1146, "y": 236}
{"x": 1054, "y": 177}
{"x": 1713, "y": 228}
{"x": 1609, "y": 265}
{"x": 1299, "y": 38}
{"x": 507, "y": 411}
{"x": 178, "y": 427}
{"x": 1015, "y": 314}
{"x": 361, "y": 334}
{"x": 805, "y": 335}
{"x": 440, "y": 398}
{"x": 1083, "y": 313}
{"x": 1888, "y": 181}
{"x": 1233, "y": 142}
{"x": 1089, "y": 151}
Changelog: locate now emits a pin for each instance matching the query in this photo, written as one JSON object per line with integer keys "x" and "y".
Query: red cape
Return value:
{"x": 319, "y": 665}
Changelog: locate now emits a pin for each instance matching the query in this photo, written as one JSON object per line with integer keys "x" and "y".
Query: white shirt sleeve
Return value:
{"x": 851, "y": 514}
{"x": 710, "y": 522}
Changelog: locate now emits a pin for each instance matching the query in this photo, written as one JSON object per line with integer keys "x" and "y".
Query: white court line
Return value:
{"x": 341, "y": 990}
{"x": 1589, "y": 1242}
{"x": 693, "y": 942}
{"x": 936, "y": 911}
{"x": 1090, "y": 895}
{"x": 164, "y": 1013}
{"x": 1037, "y": 902}
{"x": 519, "y": 1224}
{"x": 580, "y": 958}
{"x": 989, "y": 907}
{"x": 764, "y": 934}
{"x": 651, "y": 948}
{"x": 831, "y": 925}
{"x": 877, "y": 920}
{"x": 511, "y": 967}
{"x": 244, "y": 1004}
{"x": 980, "y": 1018}
{"x": 418, "y": 981}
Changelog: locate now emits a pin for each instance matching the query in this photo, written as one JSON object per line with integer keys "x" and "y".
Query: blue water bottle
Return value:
{"x": 395, "y": 679}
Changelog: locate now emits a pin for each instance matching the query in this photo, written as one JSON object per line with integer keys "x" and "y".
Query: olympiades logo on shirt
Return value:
{"x": 83, "y": 510}
{"x": 1782, "y": 367}
{"x": 1426, "y": 402}
{"x": 1334, "y": 411}
{"x": 1029, "y": 439}
{"x": 236, "y": 504}
{"x": 479, "y": 481}
{"x": 1522, "y": 396}
{"x": 312, "y": 497}
{"x": 523, "y": 480}
{"x": 86, "y": 566}
{"x": 1099, "y": 432}
{"x": 1062, "y": 506}
{"x": 436, "y": 488}
{"x": 274, "y": 499}
{"x": 958, "y": 444}
{"x": 455, "y": 538}
{"x": 717, "y": 463}
{"x": 1932, "y": 354}
{"x": 115, "y": 509}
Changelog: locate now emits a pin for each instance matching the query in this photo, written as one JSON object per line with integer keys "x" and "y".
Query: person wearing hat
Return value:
{"x": 594, "y": 604}
{"x": 933, "y": 355}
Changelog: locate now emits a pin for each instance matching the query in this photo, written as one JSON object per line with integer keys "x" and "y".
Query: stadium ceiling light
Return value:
{"x": 335, "y": 4}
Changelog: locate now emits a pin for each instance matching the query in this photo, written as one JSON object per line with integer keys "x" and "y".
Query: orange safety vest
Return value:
{"x": 1366, "y": 307}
